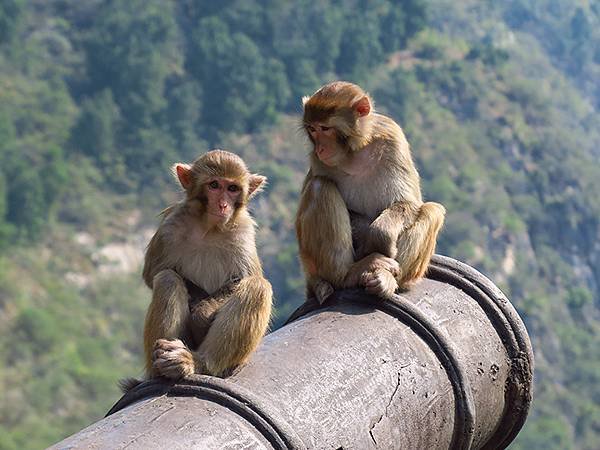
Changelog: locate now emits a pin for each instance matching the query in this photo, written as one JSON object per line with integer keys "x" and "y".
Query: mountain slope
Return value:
{"x": 499, "y": 102}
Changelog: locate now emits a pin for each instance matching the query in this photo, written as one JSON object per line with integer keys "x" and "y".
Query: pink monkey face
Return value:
{"x": 223, "y": 198}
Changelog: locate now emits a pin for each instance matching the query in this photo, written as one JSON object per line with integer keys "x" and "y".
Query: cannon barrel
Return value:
{"x": 447, "y": 364}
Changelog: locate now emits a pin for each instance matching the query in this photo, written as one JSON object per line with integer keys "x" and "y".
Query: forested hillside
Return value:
{"x": 500, "y": 102}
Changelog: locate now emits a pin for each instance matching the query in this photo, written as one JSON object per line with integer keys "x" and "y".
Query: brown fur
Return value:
{"x": 367, "y": 202}
{"x": 223, "y": 330}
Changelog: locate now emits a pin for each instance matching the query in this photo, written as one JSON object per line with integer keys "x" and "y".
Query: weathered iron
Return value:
{"x": 447, "y": 364}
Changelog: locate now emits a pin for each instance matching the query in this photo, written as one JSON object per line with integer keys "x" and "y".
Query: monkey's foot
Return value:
{"x": 172, "y": 359}
{"x": 369, "y": 264}
{"x": 380, "y": 262}
{"x": 323, "y": 290}
{"x": 379, "y": 282}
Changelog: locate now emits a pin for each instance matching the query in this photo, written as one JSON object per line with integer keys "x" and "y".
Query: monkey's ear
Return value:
{"x": 362, "y": 106}
{"x": 305, "y": 99}
{"x": 183, "y": 173}
{"x": 256, "y": 184}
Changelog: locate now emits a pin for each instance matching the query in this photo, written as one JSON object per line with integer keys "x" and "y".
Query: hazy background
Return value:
{"x": 500, "y": 101}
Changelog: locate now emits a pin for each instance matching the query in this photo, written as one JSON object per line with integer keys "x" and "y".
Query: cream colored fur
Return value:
{"x": 238, "y": 326}
{"x": 211, "y": 257}
{"x": 378, "y": 183}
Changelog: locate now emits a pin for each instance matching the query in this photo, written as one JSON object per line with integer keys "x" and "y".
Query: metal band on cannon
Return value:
{"x": 447, "y": 364}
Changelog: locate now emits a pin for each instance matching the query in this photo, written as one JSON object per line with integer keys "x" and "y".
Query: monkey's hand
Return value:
{"x": 379, "y": 282}
{"x": 172, "y": 359}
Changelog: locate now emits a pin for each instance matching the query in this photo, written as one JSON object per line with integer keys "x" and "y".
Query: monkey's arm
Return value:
{"x": 381, "y": 236}
{"x": 155, "y": 260}
{"x": 417, "y": 243}
{"x": 376, "y": 246}
{"x": 324, "y": 232}
{"x": 168, "y": 314}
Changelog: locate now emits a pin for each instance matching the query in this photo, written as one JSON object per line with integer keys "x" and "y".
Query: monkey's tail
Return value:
{"x": 127, "y": 384}
{"x": 238, "y": 326}
{"x": 417, "y": 244}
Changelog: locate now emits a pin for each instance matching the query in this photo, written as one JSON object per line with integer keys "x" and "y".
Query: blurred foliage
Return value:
{"x": 97, "y": 99}
{"x": 10, "y": 15}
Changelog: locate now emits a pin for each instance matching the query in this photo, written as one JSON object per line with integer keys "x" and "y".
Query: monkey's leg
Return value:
{"x": 381, "y": 236}
{"x": 238, "y": 327}
{"x": 324, "y": 235}
{"x": 376, "y": 243}
{"x": 172, "y": 358}
{"x": 168, "y": 314}
{"x": 417, "y": 243}
{"x": 202, "y": 315}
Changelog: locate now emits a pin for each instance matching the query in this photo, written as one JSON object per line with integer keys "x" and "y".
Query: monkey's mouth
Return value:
{"x": 328, "y": 160}
{"x": 222, "y": 216}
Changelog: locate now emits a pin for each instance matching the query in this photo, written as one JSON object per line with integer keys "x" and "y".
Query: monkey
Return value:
{"x": 206, "y": 244}
{"x": 361, "y": 220}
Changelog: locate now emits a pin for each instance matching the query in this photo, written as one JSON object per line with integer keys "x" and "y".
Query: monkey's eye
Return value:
{"x": 233, "y": 188}
{"x": 310, "y": 129}
{"x": 213, "y": 184}
{"x": 325, "y": 128}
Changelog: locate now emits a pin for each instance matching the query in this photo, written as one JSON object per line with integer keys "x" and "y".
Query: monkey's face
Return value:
{"x": 223, "y": 197}
{"x": 327, "y": 146}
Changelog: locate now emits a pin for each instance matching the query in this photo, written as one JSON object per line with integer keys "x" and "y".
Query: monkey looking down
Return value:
{"x": 361, "y": 220}
{"x": 205, "y": 246}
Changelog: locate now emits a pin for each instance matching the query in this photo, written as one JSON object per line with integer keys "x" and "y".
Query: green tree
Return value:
{"x": 95, "y": 134}
{"x": 393, "y": 29}
{"x": 309, "y": 30}
{"x": 7, "y": 230}
{"x": 183, "y": 114}
{"x": 128, "y": 48}
{"x": 235, "y": 77}
{"x": 34, "y": 191}
{"x": 545, "y": 433}
{"x": 10, "y": 18}
{"x": 26, "y": 207}
{"x": 360, "y": 48}
{"x": 580, "y": 31}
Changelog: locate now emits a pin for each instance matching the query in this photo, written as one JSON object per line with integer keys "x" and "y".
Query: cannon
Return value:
{"x": 445, "y": 365}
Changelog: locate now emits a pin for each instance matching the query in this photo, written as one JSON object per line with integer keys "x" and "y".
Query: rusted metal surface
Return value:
{"x": 447, "y": 364}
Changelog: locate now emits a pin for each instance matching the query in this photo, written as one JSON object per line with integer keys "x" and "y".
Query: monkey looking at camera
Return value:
{"x": 205, "y": 246}
{"x": 361, "y": 219}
